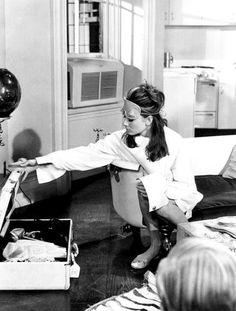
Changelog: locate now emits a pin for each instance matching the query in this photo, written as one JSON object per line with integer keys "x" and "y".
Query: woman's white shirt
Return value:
{"x": 167, "y": 178}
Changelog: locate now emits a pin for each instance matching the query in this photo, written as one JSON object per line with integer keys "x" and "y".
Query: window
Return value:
{"x": 126, "y": 31}
{"x": 132, "y": 33}
{"x": 84, "y": 26}
{"x": 112, "y": 28}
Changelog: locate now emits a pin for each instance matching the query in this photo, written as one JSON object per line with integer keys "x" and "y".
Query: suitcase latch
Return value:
{"x": 74, "y": 268}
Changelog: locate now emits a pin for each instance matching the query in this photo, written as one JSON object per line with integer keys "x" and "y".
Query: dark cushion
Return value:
{"x": 217, "y": 190}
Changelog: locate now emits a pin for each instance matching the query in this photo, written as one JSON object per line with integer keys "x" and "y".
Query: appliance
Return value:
{"x": 94, "y": 82}
{"x": 207, "y": 96}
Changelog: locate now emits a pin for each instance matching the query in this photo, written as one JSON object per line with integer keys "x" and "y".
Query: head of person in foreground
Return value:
{"x": 198, "y": 275}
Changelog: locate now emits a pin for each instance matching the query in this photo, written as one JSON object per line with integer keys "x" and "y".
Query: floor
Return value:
{"x": 105, "y": 250}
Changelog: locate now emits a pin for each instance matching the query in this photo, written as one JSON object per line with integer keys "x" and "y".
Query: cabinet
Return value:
{"x": 200, "y": 12}
{"x": 205, "y": 119}
{"x": 227, "y": 101}
{"x": 180, "y": 97}
{"x": 86, "y": 125}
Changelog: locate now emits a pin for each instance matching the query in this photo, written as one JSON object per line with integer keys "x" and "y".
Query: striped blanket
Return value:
{"x": 138, "y": 299}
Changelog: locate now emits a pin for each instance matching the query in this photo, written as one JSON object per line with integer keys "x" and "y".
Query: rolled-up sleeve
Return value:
{"x": 156, "y": 186}
{"x": 178, "y": 185}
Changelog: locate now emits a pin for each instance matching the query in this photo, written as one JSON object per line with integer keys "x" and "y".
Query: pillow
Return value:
{"x": 218, "y": 192}
{"x": 229, "y": 171}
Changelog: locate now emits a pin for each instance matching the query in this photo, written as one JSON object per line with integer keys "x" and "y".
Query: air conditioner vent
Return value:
{"x": 108, "y": 84}
{"x": 90, "y": 86}
{"x": 94, "y": 82}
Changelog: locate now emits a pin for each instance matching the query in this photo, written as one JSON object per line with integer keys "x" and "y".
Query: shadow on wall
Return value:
{"x": 26, "y": 144}
{"x": 132, "y": 77}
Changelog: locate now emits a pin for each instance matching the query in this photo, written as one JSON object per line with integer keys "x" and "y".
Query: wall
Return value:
{"x": 29, "y": 51}
{"x": 132, "y": 77}
{"x": 29, "y": 57}
{"x": 148, "y": 42}
{"x": 2, "y": 35}
{"x": 201, "y": 45}
{"x": 3, "y": 149}
{"x": 131, "y": 42}
{"x": 154, "y": 42}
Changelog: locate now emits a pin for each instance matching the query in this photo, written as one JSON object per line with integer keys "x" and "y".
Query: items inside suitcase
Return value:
{"x": 35, "y": 254}
{"x": 34, "y": 240}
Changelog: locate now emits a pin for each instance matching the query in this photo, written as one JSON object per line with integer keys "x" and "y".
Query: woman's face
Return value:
{"x": 135, "y": 126}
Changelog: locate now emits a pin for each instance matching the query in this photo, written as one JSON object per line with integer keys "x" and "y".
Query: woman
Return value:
{"x": 197, "y": 275}
{"x": 167, "y": 187}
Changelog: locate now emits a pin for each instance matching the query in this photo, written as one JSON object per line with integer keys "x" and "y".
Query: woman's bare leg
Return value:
{"x": 170, "y": 212}
{"x": 143, "y": 259}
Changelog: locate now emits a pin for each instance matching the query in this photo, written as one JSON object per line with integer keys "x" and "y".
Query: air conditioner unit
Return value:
{"x": 94, "y": 82}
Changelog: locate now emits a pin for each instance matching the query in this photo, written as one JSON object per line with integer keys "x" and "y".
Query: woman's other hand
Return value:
{"x": 141, "y": 189}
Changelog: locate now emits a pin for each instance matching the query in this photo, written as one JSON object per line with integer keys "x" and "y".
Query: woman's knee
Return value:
{"x": 172, "y": 212}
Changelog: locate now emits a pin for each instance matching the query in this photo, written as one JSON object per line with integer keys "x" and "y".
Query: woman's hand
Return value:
{"x": 25, "y": 166}
{"x": 141, "y": 189}
{"x": 22, "y": 162}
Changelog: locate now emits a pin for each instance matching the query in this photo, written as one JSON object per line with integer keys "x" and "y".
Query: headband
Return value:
{"x": 133, "y": 111}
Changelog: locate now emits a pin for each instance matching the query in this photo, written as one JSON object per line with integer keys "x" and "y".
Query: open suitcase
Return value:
{"x": 28, "y": 261}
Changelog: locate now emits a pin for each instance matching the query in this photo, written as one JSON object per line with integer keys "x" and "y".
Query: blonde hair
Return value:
{"x": 198, "y": 275}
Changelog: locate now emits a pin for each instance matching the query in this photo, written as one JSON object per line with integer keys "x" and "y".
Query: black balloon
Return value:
{"x": 10, "y": 93}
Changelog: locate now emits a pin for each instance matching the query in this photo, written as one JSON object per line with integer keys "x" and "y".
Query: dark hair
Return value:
{"x": 151, "y": 101}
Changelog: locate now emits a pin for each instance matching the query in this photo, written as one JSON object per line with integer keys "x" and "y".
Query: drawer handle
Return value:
{"x": 205, "y": 114}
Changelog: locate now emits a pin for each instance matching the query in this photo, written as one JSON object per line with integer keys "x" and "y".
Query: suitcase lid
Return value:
{"x": 7, "y": 196}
